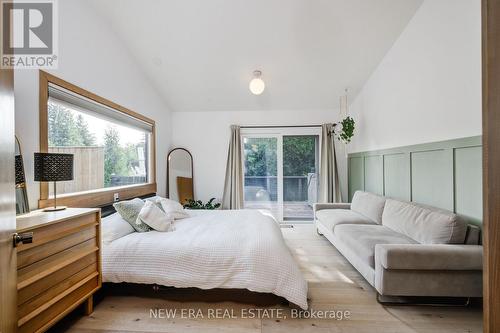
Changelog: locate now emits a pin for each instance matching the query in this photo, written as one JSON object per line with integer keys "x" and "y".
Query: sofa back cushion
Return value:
{"x": 369, "y": 205}
{"x": 426, "y": 225}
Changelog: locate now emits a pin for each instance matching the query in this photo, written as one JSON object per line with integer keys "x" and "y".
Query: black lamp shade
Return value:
{"x": 53, "y": 167}
{"x": 20, "y": 179}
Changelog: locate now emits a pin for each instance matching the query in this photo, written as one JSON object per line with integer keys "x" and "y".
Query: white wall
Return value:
{"x": 92, "y": 57}
{"x": 206, "y": 136}
{"x": 428, "y": 86}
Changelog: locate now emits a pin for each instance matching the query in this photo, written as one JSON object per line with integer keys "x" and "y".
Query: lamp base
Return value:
{"x": 54, "y": 209}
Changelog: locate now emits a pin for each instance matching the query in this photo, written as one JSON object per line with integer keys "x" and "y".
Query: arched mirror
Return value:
{"x": 180, "y": 175}
{"x": 22, "y": 205}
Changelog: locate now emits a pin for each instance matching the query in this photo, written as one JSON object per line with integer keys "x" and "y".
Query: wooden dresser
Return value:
{"x": 60, "y": 269}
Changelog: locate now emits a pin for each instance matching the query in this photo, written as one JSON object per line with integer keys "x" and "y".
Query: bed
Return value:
{"x": 229, "y": 249}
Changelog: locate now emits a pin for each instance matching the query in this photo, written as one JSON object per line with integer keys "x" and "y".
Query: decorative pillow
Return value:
{"x": 129, "y": 210}
{"x": 155, "y": 217}
{"x": 114, "y": 227}
{"x": 156, "y": 200}
{"x": 174, "y": 208}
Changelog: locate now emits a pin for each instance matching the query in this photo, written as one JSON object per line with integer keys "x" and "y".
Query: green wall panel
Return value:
{"x": 374, "y": 174}
{"x": 432, "y": 178}
{"x": 445, "y": 174}
{"x": 468, "y": 183}
{"x": 356, "y": 175}
{"x": 397, "y": 176}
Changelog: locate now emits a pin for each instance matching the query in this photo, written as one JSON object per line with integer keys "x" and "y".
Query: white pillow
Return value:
{"x": 155, "y": 217}
{"x": 173, "y": 207}
{"x": 114, "y": 227}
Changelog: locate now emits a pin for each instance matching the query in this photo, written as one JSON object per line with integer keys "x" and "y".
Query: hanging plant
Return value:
{"x": 345, "y": 129}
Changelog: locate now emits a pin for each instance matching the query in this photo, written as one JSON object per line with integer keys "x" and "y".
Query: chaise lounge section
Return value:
{"x": 403, "y": 248}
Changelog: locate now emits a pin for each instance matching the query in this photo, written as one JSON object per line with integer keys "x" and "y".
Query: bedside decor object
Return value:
{"x": 52, "y": 167}
{"x": 22, "y": 204}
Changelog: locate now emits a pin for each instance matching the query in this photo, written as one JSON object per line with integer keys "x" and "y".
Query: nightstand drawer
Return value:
{"x": 56, "y": 310}
{"x": 52, "y": 231}
{"x": 55, "y": 278}
{"x": 41, "y": 269}
{"x": 39, "y": 252}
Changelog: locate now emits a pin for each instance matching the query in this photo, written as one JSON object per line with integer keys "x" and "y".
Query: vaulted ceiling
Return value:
{"x": 200, "y": 54}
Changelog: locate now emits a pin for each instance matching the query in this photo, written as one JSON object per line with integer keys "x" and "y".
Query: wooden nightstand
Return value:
{"x": 60, "y": 269}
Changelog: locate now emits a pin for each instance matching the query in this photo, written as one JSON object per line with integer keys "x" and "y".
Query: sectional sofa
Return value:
{"x": 405, "y": 249}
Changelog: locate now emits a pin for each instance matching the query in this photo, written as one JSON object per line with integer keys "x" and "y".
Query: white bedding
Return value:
{"x": 241, "y": 249}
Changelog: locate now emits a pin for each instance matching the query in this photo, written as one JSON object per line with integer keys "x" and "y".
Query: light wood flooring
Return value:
{"x": 333, "y": 285}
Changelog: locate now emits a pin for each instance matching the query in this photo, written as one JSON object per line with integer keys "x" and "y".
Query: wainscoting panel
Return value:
{"x": 356, "y": 175}
{"x": 374, "y": 174}
{"x": 468, "y": 183}
{"x": 397, "y": 176}
{"x": 432, "y": 178}
{"x": 445, "y": 174}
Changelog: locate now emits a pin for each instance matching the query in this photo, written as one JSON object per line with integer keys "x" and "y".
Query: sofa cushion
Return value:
{"x": 369, "y": 205}
{"x": 429, "y": 256}
{"x": 361, "y": 239}
{"x": 331, "y": 218}
{"x": 426, "y": 225}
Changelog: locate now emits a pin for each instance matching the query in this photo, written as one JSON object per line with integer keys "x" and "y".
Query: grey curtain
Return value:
{"x": 329, "y": 186}
{"x": 233, "y": 185}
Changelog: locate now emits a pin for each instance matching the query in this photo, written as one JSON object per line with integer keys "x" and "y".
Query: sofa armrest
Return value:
{"x": 321, "y": 206}
{"x": 429, "y": 256}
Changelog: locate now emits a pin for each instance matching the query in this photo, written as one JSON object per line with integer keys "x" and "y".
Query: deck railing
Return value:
{"x": 265, "y": 188}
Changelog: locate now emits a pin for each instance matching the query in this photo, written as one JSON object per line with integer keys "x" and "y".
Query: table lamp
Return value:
{"x": 53, "y": 167}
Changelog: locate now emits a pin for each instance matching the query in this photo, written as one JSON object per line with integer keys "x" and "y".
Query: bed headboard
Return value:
{"x": 109, "y": 209}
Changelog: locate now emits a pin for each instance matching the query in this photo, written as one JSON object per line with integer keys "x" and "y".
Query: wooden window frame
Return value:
{"x": 98, "y": 197}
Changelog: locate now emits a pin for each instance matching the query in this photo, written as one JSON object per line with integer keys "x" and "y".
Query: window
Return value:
{"x": 281, "y": 171}
{"x": 113, "y": 147}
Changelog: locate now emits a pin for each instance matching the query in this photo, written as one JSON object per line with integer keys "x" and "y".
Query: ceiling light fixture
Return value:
{"x": 257, "y": 85}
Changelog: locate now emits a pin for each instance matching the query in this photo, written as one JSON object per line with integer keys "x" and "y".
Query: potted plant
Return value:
{"x": 345, "y": 129}
{"x": 198, "y": 204}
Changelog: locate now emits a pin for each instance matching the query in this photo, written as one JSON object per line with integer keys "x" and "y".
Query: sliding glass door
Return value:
{"x": 300, "y": 175}
{"x": 281, "y": 171}
{"x": 261, "y": 173}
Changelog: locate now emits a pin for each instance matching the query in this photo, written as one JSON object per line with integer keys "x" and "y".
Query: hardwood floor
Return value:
{"x": 333, "y": 285}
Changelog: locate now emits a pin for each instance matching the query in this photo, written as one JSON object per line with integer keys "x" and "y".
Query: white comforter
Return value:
{"x": 241, "y": 249}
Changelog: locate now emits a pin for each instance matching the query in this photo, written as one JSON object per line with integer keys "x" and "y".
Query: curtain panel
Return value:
{"x": 233, "y": 185}
{"x": 329, "y": 186}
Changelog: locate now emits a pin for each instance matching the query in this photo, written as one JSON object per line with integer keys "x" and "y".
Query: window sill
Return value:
{"x": 101, "y": 197}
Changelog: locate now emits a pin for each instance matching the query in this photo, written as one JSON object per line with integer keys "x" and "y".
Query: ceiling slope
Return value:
{"x": 200, "y": 54}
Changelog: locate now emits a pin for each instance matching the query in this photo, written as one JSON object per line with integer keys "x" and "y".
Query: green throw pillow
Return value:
{"x": 129, "y": 210}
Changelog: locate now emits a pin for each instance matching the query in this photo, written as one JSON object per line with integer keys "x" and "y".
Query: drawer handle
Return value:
{"x": 24, "y": 238}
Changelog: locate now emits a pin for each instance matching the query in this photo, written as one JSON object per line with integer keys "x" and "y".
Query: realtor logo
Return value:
{"x": 29, "y": 32}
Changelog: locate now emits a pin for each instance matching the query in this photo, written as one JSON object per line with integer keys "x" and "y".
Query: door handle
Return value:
{"x": 24, "y": 238}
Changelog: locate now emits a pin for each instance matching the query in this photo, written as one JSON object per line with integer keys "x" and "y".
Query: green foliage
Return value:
{"x": 70, "y": 129}
{"x": 260, "y": 157}
{"x": 65, "y": 130}
{"x": 115, "y": 162}
{"x": 118, "y": 160}
{"x": 299, "y": 156}
{"x": 347, "y": 130}
{"x": 86, "y": 138}
{"x": 198, "y": 204}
